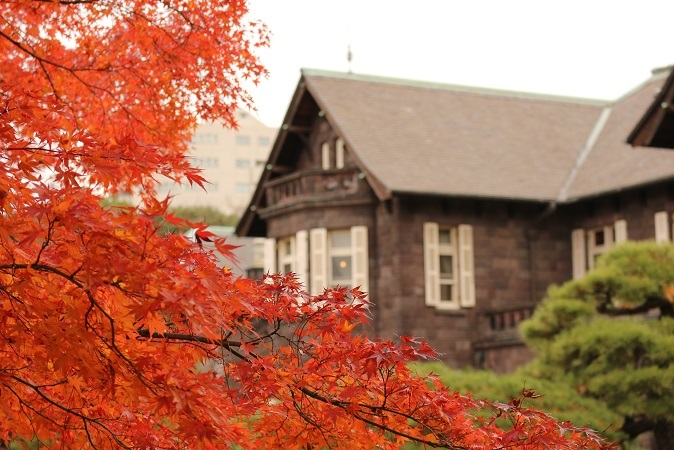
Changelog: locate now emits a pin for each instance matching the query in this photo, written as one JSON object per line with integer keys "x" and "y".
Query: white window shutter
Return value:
{"x": 466, "y": 267}
{"x": 620, "y": 228}
{"x": 339, "y": 154}
{"x": 325, "y": 155}
{"x": 302, "y": 257}
{"x": 359, "y": 258}
{"x": 431, "y": 264}
{"x": 270, "y": 255}
{"x": 578, "y": 253}
{"x": 318, "y": 241}
{"x": 608, "y": 236}
{"x": 293, "y": 259}
{"x": 662, "y": 227}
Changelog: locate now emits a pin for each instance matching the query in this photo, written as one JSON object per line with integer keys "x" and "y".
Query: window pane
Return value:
{"x": 242, "y": 164}
{"x": 341, "y": 269}
{"x": 263, "y": 140}
{"x": 255, "y": 273}
{"x": 287, "y": 268}
{"x": 445, "y": 236}
{"x": 242, "y": 139}
{"x": 446, "y": 267}
{"x": 599, "y": 237}
{"x": 446, "y": 291}
{"x": 340, "y": 239}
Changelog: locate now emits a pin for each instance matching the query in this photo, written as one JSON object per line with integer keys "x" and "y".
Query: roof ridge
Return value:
{"x": 657, "y": 74}
{"x": 453, "y": 87}
{"x": 562, "y": 196}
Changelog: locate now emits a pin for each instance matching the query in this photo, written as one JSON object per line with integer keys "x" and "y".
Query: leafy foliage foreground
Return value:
{"x": 114, "y": 336}
{"x": 610, "y": 337}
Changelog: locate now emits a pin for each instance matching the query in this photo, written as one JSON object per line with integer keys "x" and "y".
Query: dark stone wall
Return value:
{"x": 636, "y": 206}
{"x": 310, "y": 155}
{"x": 520, "y": 248}
{"x": 315, "y": 217}
{"x": 518, "y": 253}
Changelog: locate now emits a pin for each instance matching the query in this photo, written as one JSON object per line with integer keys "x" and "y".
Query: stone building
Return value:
{"x": 454, "y": 207}
{"x": 231, "y": 160}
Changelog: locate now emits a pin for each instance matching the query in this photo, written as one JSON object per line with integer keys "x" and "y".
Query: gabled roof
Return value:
{"x": 614, "y": 165}
{"x": 656, "y": 127}
{"x": 452, "y": 140}
{"x": 433, "y": 139}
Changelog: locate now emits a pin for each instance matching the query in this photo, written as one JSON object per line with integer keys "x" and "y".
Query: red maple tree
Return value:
{"x": 113, "y": 336}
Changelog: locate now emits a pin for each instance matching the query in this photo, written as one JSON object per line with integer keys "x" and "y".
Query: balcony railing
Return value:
{"x": 507, "y": 320}
{"x": 315, "y": 185}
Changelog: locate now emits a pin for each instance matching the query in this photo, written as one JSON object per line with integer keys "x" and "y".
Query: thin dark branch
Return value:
{"x": 650, "y": 303}
{"x": 70, "y": 411}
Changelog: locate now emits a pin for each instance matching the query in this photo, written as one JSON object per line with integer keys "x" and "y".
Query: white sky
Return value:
{"x": 582, "y": 48}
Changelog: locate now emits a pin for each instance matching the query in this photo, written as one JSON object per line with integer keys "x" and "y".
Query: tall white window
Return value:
{"x": 325, "y": 156}
{"x": 599, "y": 241}
{"x": 339, "y": 153}
{"x": 289, "y": 254}
{"x": 448, "y": 266}
{"x": 662, "y": 232}
{"x": 588, "y": 245}
{"x": 286, "y": 254}
{"x": 333, "y": 157}
{"x": 339, "y": 258}
{"x": 341, "y": 267}
{"x": 448, "y": 262}
{"x": 322, "y": 258}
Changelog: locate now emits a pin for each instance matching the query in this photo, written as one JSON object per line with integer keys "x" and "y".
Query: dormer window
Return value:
{"x": 332, "y": 154}
{"x": 339, "y": 153}
{"x": 325, "y": 155}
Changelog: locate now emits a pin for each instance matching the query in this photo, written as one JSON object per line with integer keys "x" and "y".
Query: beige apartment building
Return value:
{"x": 231, "y": 160}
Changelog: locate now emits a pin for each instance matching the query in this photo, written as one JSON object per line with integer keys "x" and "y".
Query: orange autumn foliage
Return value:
{"x": 113, "y": 336}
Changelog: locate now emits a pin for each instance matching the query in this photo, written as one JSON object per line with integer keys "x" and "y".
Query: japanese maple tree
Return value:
{"x": 115, "y": 336}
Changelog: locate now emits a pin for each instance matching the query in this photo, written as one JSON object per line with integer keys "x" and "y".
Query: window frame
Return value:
{"x": 449, "y": 249}
{"x": 333, "y": 252}
{"x": 585, "y": 250}
{"x": 463, "y": 265}
{"x": 285, "y": 251}
{"x": 326, "y": 162}
{"x": 320, "y": 257}
{"x": 340, "y": 153}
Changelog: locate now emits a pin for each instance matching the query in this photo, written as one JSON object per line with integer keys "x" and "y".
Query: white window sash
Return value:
{"x": 662, "y": 227}
{"x": 318, "y": 241}
{"x": 466, "y": 266}
{"x": 620, "y": 227}
{"x": 593, "y": 249}
{"x": 578, "y": 255}
{"x": 325, "y": 155}
{"x": 359, "y": 258}
{"x": 431, "y": 264}
{"x": 286, "y": 257}
{"x": 339, "y": 154}
{"x": 270, "y": 255}
{"x": 302, "y": 257}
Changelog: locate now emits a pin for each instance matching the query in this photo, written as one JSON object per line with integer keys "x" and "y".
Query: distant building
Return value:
{"x": 231, "y": 160}
{"x": 250, "y": 252}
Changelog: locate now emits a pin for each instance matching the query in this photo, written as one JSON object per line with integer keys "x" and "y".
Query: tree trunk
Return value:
{"x": 664, "y": 435}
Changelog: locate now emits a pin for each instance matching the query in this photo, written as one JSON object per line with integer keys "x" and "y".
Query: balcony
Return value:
{"x": 315, "y": 186}
{"x": 508, "y": 320}
{"x": 502, "y": 325}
